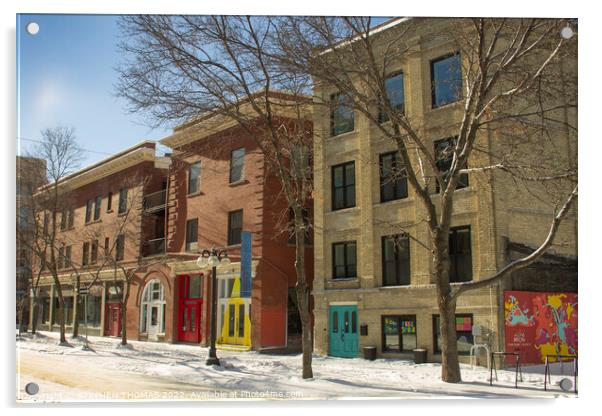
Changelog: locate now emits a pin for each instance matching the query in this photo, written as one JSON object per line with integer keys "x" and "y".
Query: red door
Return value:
{"x": 113, "y": 320}
{"x": 189, "y": 309}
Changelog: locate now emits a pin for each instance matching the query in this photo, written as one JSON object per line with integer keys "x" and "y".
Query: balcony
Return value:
{"x": 153, "y": 247}
{"x": 155, "y": 201}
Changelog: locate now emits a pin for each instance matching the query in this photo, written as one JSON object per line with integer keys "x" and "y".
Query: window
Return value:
{"x": 195, "y": 289}
{"x": 237, "y": 163}
{"x": 343, "y": 186}
{"x": 395, "y": 94}
{"x": 194, "y": 175}
{"x": 464, "y": 335}
{"x": 97, "y": 203}
{"x": 192, "y": 231}
{"x": 460, "y": 254}
{"x": 341, "y": 114}
{"x": 396, "y": 260}
{"x": 92, "y": 315}
{"x": 153, "y": 307}
{"x": 446, "y": 80}
{"x": 109, "y": 201}
{"x": 64, "y": 216}
{"x": 94, "y": 252}
{"x": 86, "y": 253}
{"x": 399, "y": 333}
{"x": 106, "y": 246}
{"x": 88, "y": 210}
{"x": 444, "y": 156}
{"x": 67, "y": 256}
{"x": 234, "y": 227}
{"x": 120, "y": 247}
{"x": 70, "y": 218}
{"x": 344, "y": 260}
{"x": 393, "y": 180}
{"x": 46, "y": 221}
{"x": 123, "y": 200}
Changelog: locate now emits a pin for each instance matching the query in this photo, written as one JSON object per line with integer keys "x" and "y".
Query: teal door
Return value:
{"x": 343, "y": 339}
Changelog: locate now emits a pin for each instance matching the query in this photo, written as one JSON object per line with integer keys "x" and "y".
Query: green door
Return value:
{"x": 343, "y": 339}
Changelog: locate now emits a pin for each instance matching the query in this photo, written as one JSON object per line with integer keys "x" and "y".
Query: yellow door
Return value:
{"x": 236, "y": 326}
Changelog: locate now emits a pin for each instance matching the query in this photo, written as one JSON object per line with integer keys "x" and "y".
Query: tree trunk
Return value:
{"x": 61, "y": 314}
{"x": 303, "y": 295}
{"x": 124, "y": 309}
{"x": 34, "y": 315}
{"x": 450, "y": 366}
{"x": 76, "y": 315}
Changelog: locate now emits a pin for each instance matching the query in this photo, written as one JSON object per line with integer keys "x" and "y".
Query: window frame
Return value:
{"x": 463, "y": 180}
{"x": 231, "y": 241}
{"x": 433, "y": 62}
{"x": 188, "y": 243}
{"x": 345, "y": 187}
{"x": 97, "y": 204}
{"x": 120, "y": 248}
{"x": 232, "y": 164}
{"x": 109, "y": 201}
{"x": 436, "y": 332}
{"x": 89, "y": 208}
{"x": 394, "y": 182}
{"x": 397, "y": 259}
{"x": 123, "y": 196}
{"x": 399, "y": 318}
{"x": 383, "y": 117}
{"x": 197, "y": 179}
{"x": 347, "y": 274}
{"x": 93, "y": 251}
{"x": 86, "y": 253}
{"x": 335, "y": 104}
{"x": 453, "y": 272}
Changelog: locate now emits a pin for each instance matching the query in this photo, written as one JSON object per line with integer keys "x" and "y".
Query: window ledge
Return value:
{"x": 394, "y": 286}
{"x": 402, "y": 201}
{"x": 109, "y": 211}
{"x": 343, "y": 210}
{"x": 233, "y": 246}
{"x": 444, "y": 106}
{"x": 238, "y": 183}
{"x": 343, "y": 279}
{"x": 197, "y": 193}
{"x": 93, "y": 222}
{"x": 347, "y": 133}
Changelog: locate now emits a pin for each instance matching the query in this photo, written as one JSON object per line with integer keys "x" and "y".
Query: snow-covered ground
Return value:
{"x": 160, "y": 371}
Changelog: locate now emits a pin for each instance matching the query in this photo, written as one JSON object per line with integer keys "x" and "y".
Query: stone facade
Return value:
{"x": 494, "y": 208}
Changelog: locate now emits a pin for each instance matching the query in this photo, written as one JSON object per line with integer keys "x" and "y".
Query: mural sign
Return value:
{"x": 539, "y": 324}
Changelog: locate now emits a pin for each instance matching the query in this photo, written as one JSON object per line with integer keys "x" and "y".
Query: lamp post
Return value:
{"x": 212, "y": 258}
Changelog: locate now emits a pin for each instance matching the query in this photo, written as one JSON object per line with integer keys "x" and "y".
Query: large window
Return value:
{"x": 120, "y": 247}
{"x": 89, "y": 205}
{"x": 67, "y": 291}
{"x": 123, "y": 200}
{"x": 44, "y": 305}
{"x": 234, "y": 227}
{"x": 194, "y": 178}
{"x": 396, "y": 260}
{"x": 460, "y": 253}
{"x": 152, "y": 308}
{"x": 237, "y": 164}
{"x": 94, "y": 252}
{"x": 109, "y": 201}
{"x": 97, "y": 203}
{"x": 393, "y": 179}
{"x": 444, "y": 156}
{"x": 343, "y": 186}
{"x": 399, "y": 333}
{"x": 395, "y": 94}
{"x": 344, "y": 260}
{"x": 64, "y": 217}
{"x": 341, "y": 114}
{"x": 464, "y": 335}
{"x": 192, "y": 234}
{"x": 85, "y": 253}
{"x": 92, "y": 314}
{"x": 446, "y": 80}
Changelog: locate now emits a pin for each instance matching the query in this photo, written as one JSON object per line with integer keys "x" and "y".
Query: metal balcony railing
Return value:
{"x": 154, "y": 247}
{"x": 155, "y": 201}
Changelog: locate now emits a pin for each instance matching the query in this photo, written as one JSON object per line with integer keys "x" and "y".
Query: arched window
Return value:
{"x": 152, "y": 310}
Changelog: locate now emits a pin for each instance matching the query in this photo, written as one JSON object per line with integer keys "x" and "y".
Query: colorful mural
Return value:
{"x": 539, "y": 324}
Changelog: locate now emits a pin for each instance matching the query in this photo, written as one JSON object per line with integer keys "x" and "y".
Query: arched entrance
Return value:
{"x": 152, "y": 310}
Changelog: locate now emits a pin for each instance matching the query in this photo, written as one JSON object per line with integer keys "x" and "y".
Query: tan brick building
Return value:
{"x": 493, "y": 221}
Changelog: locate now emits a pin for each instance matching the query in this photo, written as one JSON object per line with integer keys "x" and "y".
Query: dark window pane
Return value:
{"x": 343, "y": 186}
{"x": 393, "y": 181}
{"x": 109, "y": 201}
{"x": 344, "y": 260}
{"x": 194, "y": 288}
{"x": 460, "y": 253}
{"x": 88, "y": 210}
{"x": 353, "y": 322}
{"x": 464, "y": 335}
{"x": 341, "y": 115}
{"x": 120, "y": 248}
{"x": 446, "y": 78}
{"x": 236, "y": 165}
{"x": 192, "y": 229}
{"x": 194, "y": 173}
{"x": 231, "y": 320}
{"x": 395, "y": 94}
{"x": 390, "y": 331}
{"x": 346, "y": 322}
{"x": 396, "y": 260}
{"x": 444, "y": 155}
{"x": 335, "y": 322}
{"x": 234, "y": 227}
{"x": 241, "y": 320}
{"x": 97, "y": 203}
{"x": 123, "y": 196}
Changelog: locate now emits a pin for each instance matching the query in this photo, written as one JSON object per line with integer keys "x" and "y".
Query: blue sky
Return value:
{"x": 66, "y": 76}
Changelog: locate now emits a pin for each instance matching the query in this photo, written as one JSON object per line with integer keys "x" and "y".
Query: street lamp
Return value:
{"x": 212, "y": 258}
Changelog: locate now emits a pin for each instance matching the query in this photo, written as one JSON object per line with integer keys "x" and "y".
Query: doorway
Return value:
{"x": 189, "y": 308}
{"x": 342, "y": 334}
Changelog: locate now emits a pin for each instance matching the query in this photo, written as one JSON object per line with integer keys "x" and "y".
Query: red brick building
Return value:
{"x": 212, "y": 190}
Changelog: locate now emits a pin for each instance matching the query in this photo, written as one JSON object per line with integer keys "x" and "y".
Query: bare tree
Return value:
{"x": 59, "y": 149}
{"x": 518, "y": 84}
{"x": 183, "y": 67}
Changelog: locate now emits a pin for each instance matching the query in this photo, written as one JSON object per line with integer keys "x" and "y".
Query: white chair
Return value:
{"x": 477, "y": 331}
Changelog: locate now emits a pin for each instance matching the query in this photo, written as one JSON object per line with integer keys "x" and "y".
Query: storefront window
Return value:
{"x": 464, "y": 335}
{"x": 399, "y": 333}
{"x": 94, "y": 306}
{"x": 67, "y": 291}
